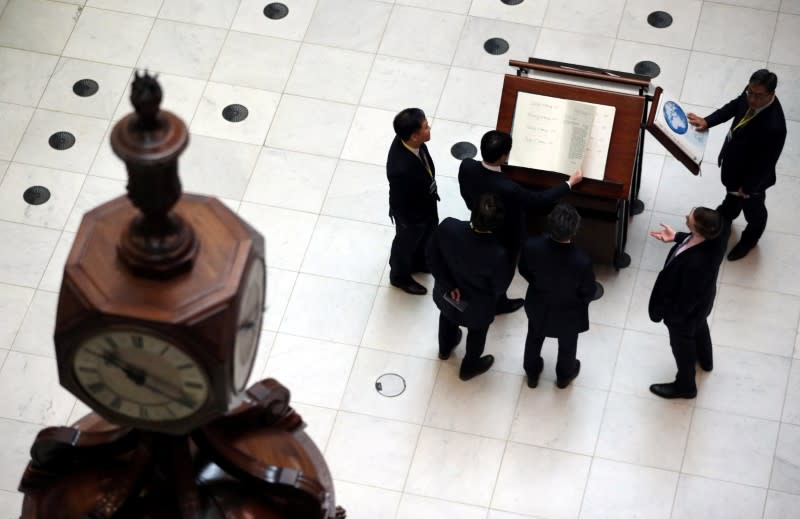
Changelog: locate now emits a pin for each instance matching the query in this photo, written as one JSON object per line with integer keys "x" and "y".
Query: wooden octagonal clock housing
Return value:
{"x": 162, "y": 298}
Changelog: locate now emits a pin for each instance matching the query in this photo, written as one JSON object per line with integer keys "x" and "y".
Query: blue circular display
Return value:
{"x": 676, "y": 118}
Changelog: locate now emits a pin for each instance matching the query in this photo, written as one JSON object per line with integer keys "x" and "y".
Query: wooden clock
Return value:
{"x": 157, "y": 329}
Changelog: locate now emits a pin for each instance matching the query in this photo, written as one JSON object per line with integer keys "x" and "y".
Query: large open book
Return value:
{"x": 561, "y": 135}
{"x": 669, "y": 124}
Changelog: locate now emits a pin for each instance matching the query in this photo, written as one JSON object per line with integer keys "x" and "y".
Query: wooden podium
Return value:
{"x": 605, "y": 205}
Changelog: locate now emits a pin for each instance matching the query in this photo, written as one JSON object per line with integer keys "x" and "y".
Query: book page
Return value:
{"x": 671, "y": 119}
{"x": 549, "y": 133}
{"x": 594, "y": 164}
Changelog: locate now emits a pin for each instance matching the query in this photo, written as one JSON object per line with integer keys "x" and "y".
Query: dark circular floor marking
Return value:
{"x": 276, "y": 11}
{"x": 390, "y": 385}
{"x": 659, "y": 19}
{"x": 512, "y": 2}
{"x": 647, "y": 68}
{"x": 496, "y": 46}
{"x": 463, "y": 150}
{"x": 36, "y": 195}
{"x": 85, "y": 87}
{"x": 235, "y": 113}
{"x": 61, "y": 141}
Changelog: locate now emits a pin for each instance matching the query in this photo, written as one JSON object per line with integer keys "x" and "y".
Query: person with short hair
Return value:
{"x": 475, "y": 178}
{"x": 468, "y": 267}
{"x": 748, "y": 157}
{"x": 561, "y": 285}
{"x": 683, "y": 295}
{"x": 413, "y": 198}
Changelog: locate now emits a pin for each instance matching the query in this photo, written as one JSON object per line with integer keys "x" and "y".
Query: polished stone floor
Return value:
{"x": 306, "y": 168}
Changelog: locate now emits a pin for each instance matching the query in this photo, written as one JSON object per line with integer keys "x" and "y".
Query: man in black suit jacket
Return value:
{"x": 412, "y": 198}
{"x": 560, "y": 287}
{"x": 752, "y": 147}
{"x": 476, "y": 178}
{"x": 684, "y": 292}
{"x": 468, "y": 267}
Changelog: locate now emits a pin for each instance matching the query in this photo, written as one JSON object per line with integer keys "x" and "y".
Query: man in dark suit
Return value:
{"x": 561, "y": 286}
{"x": 468, "y": 267}
{"x": 684, "y": 292}
{"x": 748, "y": 156}
{"x": 475, "y": 178}
{"x": 412, "y": 198}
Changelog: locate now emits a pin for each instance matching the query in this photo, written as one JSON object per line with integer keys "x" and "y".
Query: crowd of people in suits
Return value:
{"x": 473, "y": 262}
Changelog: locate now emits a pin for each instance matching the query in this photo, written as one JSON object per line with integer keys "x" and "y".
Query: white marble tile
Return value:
{"x": 275, "y": 58}
{"x": 328, "y": 73}
{"x": 484, "y": 406}
{"x": 780, "y": 505}
{"x": 181, "y": 97}
{"x": 260, "y": 104}
{"x": 679, "y": 190}
{"x": 215, "y": 13}
{"x": 643, "y": 432}
{"x": 791, "y": 407}
{"x": 63, "y": 186}
{"x": 319, "y": 423}
{"x": 315, "y": 371}
{"x": 279, "y": 287}
{"x": 788, "y": 93}
{"x": 366, "y": 501}
{"x": 567, "y": 420}
{"x": 596, "y": 18}
{"x": 182, "y": 49}
{"x": 494, "y": 514}
{"x": 452, "y": 6}
{"x": 32, "y": 391}
{"x": 786, "y": 468}
{"x": 10, "y": 504}
{"x": 769, "y": 266}
{"x": 403, "y": 324}
{"x": 685, "y": 15}
{"x": 37, "y": 25}
{"x": 612, "y": 308}
{"x": 263, "y": 351}
{"x": 531, "y": 12}
{"x": 143, "y": 7}
{"x": 441, "y": 32}
{"x": 331, "y": 309}
{"x": 361, "y": 395}
{"x": 790, "y": 6}
{"x": 638, "y": 315}
{"x": 34, "y": 147}
{"x": 95, "y": 191}
{"x": 24, "y": 75}
{"x": 357, "y": 441}
{"x": 205, "y": 160}
{"x": 730, "y": 447}
{"x": 15, "y": 120}
{"x": 344, "y": 249}
{"x": 570, "y": 47}
{"x": 333, "y": 22}
{"x": 780, "y": 205}
{"x": 644, "y": 359}
{"x": 652, "y": 164}
{"x": 17, "y": 440}
{"x": 444, "y": 135}
{"x": 701, "y": 497}
{"x": 786, "y": 37}
{"x": 655, "y": 251}
{"x": 122, "y": 34}
{"x": 397, "y": 83}
{"x": 541, "y": 482}
{"x": 35, "y": 335}
{"x": 290, "y": 129}
{"x": 770, "y": 5}
{"x": 597, "y": 350}
{"x": 358, "y": 192}
{"x": 14, "y": 302}
{"x": 672, "y": 62}
{"x": 521, "y": 40}
{"x": 790, "y": 154}
{"x": 462, "y": 89}
{"x": 713, "y": 80}
{"x": 753, "y": 33}
{"x": 250, "y": 18}
{"x": 25, "y": 253}
{"x": 648, "y": 492}
{"x": 287, "y": 232}
{"x": 370, "y": 136}
{"x": 416, "y": 507}
{"x": 112, "y": 81}
{"x": 455, "y": 466}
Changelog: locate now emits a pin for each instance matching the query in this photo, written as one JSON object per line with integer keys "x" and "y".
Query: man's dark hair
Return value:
{"x": 764, "y": 78}
{"x": 494, "y": 145}
{"x": 563, "y": 222}
{"x": 488, "y": 213}
{"x": 407, "y": 122}
{"x": 708, "y": 222}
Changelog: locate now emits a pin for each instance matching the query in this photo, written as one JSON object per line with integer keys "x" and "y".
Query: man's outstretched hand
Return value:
{"x": 575, "y": 178}
{"x": 698, "y": 122}
{"x": 666, "y": 234}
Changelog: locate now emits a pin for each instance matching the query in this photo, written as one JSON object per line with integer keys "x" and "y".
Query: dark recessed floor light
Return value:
{"x": 512, "y": 2}
{"x": 85, "y": 87}
{"x": 659, "y": 19}
{"x": 463, "y": 150}
{"x": 235, "y": 113}
{"x": 36, "y": 195}
{"x": 647, "y": 68}
{"x": 276, "y": 11}
{"x": 61, "y": 141}
{"x": 496, "y": 46}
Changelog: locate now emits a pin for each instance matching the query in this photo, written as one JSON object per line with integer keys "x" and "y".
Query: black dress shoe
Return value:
{"x": 533, "y": 380}
{"x": 672, "y": 390}
{"x": 508, "y": 306}
{"x": 564, "y": 382}
{"x": 410, "y": 286}
{"x": 738, "y": 251}
{"x": 483, "y": 365}
{"x": 445, "y": 356}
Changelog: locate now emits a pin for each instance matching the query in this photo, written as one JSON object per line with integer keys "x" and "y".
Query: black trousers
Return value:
{"x": 476, "y": 340}
{"x": 512, "y": 253}
{"x": 690, "y": 342}
{"x": 567, "y": 351}
{"x": 408, "y": 248}
{"x": 755, "y": 212}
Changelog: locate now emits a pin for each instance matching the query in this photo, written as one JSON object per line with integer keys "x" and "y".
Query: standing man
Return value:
{"x": 748, "y": 156}
{"x": 684, "y": 292}
{"x": 468, "y": 268}
{"x": 475, "y": 178}
{"x": 560, "y": 287}
{"x": 412, "y": 198}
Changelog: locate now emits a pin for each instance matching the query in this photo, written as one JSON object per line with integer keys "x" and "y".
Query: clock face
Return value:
{"x": 248, "y": 328}
{"x": 141, "y": 376}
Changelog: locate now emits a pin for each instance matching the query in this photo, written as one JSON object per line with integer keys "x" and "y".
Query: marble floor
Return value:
{"x": 307, "y": 169}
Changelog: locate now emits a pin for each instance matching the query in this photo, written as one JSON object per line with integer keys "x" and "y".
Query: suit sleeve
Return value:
{"x": 723, "y": 114}
{"x": 686, "y": 296}
{"x": 539, "y": 200}
{"x": 465, "y": 185}
{"x": 763, "y": 159}
{"x": 439, "y": 269}
{"x": 399, "y": 188}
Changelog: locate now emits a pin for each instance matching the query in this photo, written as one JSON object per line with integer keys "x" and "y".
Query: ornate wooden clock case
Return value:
{"x": 157, "y": 328}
